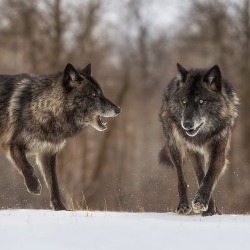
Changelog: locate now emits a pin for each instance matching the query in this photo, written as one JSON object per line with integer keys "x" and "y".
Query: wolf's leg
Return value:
{"x": 183, "y": 207}
{"x": 216, "y": 163}
{"x": 198, "y": 161}
{"x": 17, "y": 156}
{"x": 212, "y": 209}
{"x": 47, "y": 164}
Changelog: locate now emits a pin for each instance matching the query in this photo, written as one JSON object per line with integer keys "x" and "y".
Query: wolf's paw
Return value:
{"x": 183, "y": 209}
{"x": 211, "y": 211}
{"x": 57, "y": 206}
{"x": 199, "y": 204}
{"x": 33, "y": 185}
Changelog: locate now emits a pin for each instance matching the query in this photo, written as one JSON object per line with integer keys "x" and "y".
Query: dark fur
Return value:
{"x": 198, "y": 113}
{"x": 39, "y": 113}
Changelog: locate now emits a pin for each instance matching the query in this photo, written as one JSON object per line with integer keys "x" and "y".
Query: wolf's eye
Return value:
{"x": 201, "y": 101}
{"x": 93, "y": 94}
{"x": 184, "y": 101}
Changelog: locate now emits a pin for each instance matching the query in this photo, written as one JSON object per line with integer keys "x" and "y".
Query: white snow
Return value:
{"x": 65, "y": 230}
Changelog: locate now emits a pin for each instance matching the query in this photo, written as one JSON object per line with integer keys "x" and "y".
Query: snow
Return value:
{"x": 82, "y": 230}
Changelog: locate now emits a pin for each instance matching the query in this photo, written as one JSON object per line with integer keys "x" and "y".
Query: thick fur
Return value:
{"x": 39, "y": 113}
{"x": 199, "y": 110}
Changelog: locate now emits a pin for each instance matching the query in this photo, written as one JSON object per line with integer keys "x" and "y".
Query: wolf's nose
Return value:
{"x": 188, "y": 125}
{"x": 118, "y": 110}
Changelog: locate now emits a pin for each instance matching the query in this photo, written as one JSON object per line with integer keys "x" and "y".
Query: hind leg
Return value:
{"x": 198, "y": 161}
{"x": 18, "y": 158}
{"x": 47, "y": 164}
{"x": 183, "y": 207}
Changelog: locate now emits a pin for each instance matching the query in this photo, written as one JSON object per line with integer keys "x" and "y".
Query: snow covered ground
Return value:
{"x": 50, "y": 230}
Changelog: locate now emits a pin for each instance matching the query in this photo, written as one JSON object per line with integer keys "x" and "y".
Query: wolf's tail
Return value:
{"x": 164, "y": 158}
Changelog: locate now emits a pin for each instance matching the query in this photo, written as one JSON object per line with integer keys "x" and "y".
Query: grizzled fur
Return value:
{"x": 39, "y": 113}
{"x": 198, "y": 113}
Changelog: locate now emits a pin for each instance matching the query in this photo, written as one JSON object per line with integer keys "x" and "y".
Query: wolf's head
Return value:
{"x": 197, "y": 98}
{"x": 85, "y": 98}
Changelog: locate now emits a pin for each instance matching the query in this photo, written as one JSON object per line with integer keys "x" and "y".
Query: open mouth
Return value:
{"x": 101, "y": 125}
{"x": 193, "y": 132}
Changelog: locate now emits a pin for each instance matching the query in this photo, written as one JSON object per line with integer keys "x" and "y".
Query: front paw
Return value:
{"x": 199, "y": 204}
{"x": 57, "y": 206}
{"x": 183, "y": 209}
{"x": 211, "y": 211}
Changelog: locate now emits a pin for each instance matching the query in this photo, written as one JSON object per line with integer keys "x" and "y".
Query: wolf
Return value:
{"x": 198, "y": 113}
{"x": 39, "y": 113}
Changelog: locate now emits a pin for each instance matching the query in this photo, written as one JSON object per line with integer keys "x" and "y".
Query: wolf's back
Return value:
{"x": 13, "y": 95}
{"x": 7, "y": 88}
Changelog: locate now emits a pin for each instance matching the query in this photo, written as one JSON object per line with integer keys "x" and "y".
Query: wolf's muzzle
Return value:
{"x": 117, "y": 110}
{"x": 188, "y": 125}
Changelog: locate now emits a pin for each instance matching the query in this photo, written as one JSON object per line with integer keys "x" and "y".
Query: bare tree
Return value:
{"x": 243, "y": 38}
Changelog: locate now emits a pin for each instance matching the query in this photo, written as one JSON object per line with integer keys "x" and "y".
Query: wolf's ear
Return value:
{"x": 70, "y": 77}
{"x": 87, "y": 70}
{"x": 70, "y": 73}
{"x": 181, "y": 73}
{"x": 213, "y": 78}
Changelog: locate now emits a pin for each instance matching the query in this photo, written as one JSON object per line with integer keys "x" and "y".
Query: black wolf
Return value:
{"x": 198, "y": 113}
{"x": 39, "y": 113}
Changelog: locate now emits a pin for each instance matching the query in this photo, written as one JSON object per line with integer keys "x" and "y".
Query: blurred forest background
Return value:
{"x": 133, "y": 46}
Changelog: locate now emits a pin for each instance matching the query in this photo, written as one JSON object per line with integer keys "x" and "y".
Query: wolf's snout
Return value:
{"x": 117, "y": 110}
{"x": 188, "y": 125}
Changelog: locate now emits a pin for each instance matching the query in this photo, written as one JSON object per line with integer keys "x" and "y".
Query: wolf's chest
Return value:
{"x": 35, "y": 146}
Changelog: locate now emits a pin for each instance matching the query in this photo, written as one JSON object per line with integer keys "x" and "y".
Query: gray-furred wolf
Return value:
{"x": 199, "y": 110}
{"x": 39, "y": 113}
